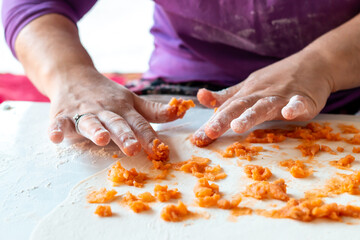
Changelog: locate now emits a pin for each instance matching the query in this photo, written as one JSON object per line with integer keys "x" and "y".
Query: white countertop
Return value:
{"x": 37, "y": 175}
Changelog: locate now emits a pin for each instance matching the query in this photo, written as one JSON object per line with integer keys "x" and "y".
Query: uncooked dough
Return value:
{"x": 75, "y": 218}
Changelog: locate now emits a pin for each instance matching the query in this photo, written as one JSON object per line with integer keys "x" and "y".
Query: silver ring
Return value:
{"x": 77, "y": 118}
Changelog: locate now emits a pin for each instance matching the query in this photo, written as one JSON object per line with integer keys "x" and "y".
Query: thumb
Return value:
{"x": 299, "y": 108}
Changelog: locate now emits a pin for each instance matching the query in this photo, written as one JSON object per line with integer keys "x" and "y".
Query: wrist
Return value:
{"x": 66, "y": 80}
{"x": 318, "y": 63}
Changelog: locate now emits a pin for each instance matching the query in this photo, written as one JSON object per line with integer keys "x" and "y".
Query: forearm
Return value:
{"x": 340, "y": 50}
{"x": 50, "y": 50}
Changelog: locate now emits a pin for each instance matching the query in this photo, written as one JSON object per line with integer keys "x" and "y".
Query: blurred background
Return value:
{"x": 115, "y": 33}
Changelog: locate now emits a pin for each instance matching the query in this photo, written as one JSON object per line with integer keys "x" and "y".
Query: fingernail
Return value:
{"x": 129, "y": 142}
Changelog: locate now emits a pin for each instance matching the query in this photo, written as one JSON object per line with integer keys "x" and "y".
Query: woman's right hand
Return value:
{"x": 112, "y": 113}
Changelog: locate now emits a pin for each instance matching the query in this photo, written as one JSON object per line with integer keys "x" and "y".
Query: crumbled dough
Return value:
{"x": 257, "y": 173}
{"x": 265, "y": 190}
{"x": 101, "y": 196}
{"x": 180, "y": 106}
{"x": 103, "y": 211}
{"x": 173, "y": 213}
{"x": 117, "y": 174}
{"x": 296, "y": 168}
{"x": 163, "y": 194}
{"x": 160, "y": 151}
{"x": 343, "y": 162}
{"x": 199, "y": 167}
{"x": 309, "y": 210}
{"x": 239, "y": 150}
{"x": 207, "y": 194}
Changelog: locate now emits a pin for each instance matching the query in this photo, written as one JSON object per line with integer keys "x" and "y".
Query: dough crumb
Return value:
{"x": 179, "y": 106}
{"x": 257, "y": 173}
{"x": 266, "y": 190}
{"x": 160, "y": 151}
{"x": 163, "y": 194}
{"x": 296, "y": 168}
{"x": 173, "y": 213}
{"x": 117, "y": 174}
{"x": 103, "y": 211}
{"x": 101, "y": 196}
{"x": 199, "y": 167}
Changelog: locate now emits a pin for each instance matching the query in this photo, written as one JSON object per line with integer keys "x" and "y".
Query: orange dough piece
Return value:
{"x": 173, "y": 213}
{"x": 309, "y": 210}
{"x": 199, "y": 167}
{"x": 207, "y": 194}
{"x": 314, "y": 131}
{"x": 354, "y": 140}
{"x": 266, "y": 136}
{"x": 340, "y": 149}
{"x": 348, "y": 128}
{"x": 146, "y": 197}
{"x": 239, "y": 150}
{"x": 257, "y": 173}
{"x": 163, "y": 194}
{"x": 134, "y": 203}
{"x": 226, "y": 204}
{"x": 101, "y": 196}
{"x": 164, "y": 167}
{"x": 325, "y": 148}
{"x": 343, "y": 162}
{"x": 115, "y": 156}
{"x": 308, "y": 148}
{"x": 266, "y": 190}
{"x": 138, "y": 206}
{"x": 103, "y": 211}
{"x": 346, "y": 184}
{"x": 356, "y": 150}
{"x": 160, "y": 151}
{"x": 117, "y": 174}
{"x": 180, "y": 106}
{"x": 213, "y": 103}
{"x": 296, "y": 168}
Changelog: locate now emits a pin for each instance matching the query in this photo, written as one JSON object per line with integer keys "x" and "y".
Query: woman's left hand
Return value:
{"x": 295, "y": 88}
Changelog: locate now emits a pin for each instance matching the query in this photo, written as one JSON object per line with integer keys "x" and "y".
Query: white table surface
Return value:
{"x": 37, "y": 175}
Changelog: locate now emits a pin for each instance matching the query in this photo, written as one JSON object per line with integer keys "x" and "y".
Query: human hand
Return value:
{"x": 112, "y": 113}
{"x": 295, "y": 88}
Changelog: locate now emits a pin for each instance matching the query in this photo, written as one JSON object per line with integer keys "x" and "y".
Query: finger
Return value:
{"x": 263, "y": 110}
{"x": 212, "y": 99}
{"x": 120, "y": 132}
{"x": 300, "y": 108}
{"x": 200, "y": 139}
{"x": 142, "y": 129}
{"x": 90, "y": 127}
{"x": 220, "y": 122}
{"x": 154, "y": 112}
{"x": 59, "y": 128}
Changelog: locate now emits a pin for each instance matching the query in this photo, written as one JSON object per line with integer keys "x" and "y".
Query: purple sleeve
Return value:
{"x": 16, "y": 14}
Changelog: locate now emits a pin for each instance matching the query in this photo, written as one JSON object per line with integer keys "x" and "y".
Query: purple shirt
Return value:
{"x": 219, "y": 42}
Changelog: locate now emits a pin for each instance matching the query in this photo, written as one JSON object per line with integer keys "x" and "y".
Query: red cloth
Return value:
{"x": 19, "y": 88}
